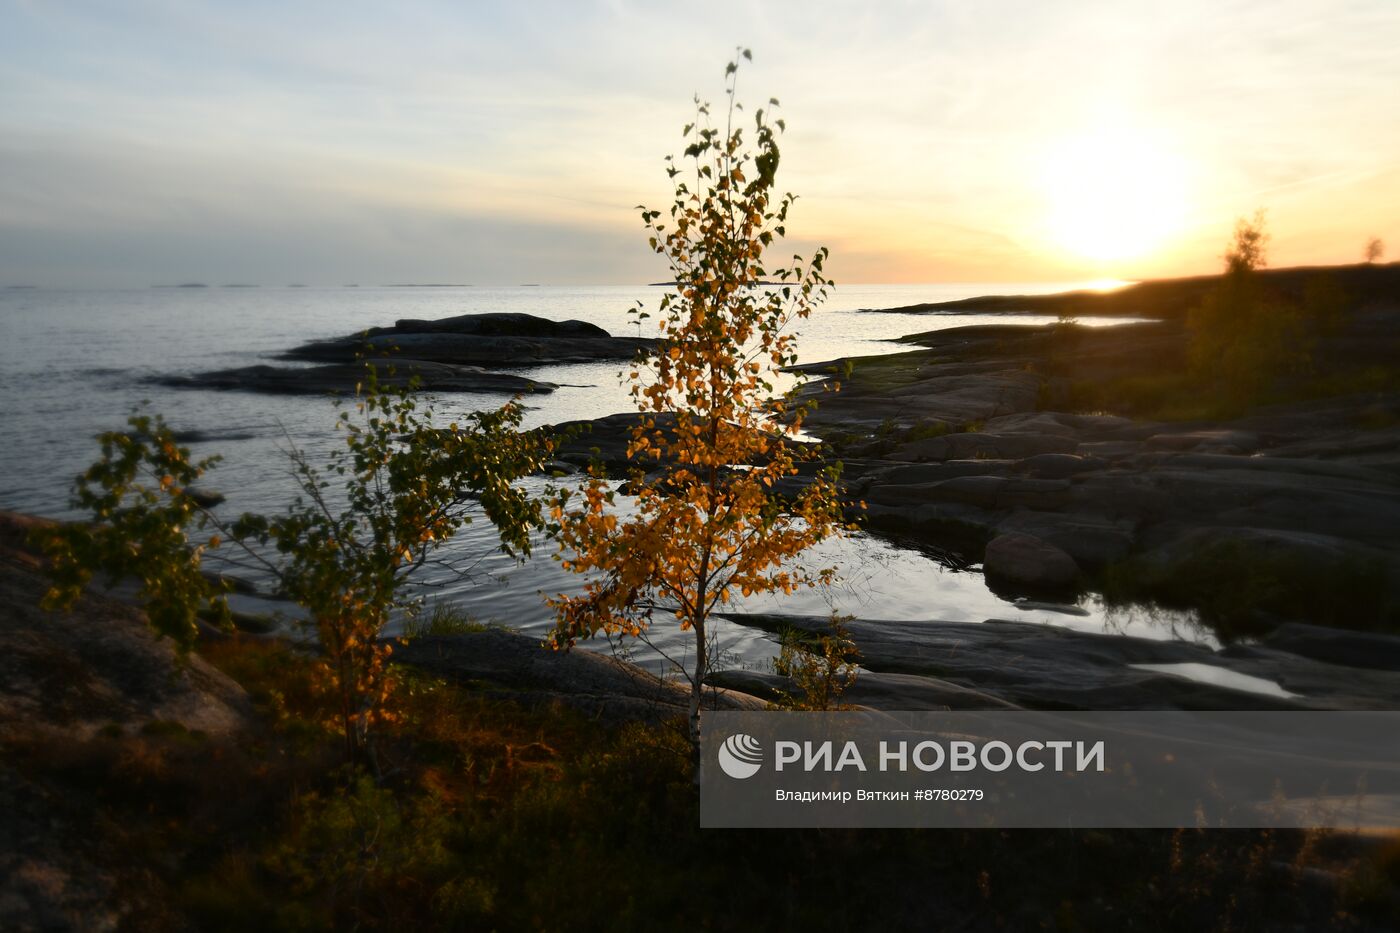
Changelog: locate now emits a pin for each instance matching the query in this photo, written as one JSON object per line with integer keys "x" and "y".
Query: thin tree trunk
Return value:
{"x": 697, "y": 685}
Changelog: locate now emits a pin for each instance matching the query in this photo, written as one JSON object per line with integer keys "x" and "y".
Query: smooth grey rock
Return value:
{"x": 207, "y": 498}
{"x": 1051, "y": 667}
{"x": 1108, "y": 450}
{"x": 918, "y": 474}
{"x": 560, "y": 468}
{"x": 1024, "y": 560}
{"x": 872, "y": 689}
{"x": 985, "y": 492}
{"x": 1091, "y": 541}
{"x": 980, "y": 444}
{"x": 598, "y": 684}
{"x": 1063, "y": 423}
{"x": 926, "y": 389}
{"x": 1244, "y": 441}
{"x": 1060, "y": 466}
{"x": 1337, "y": 646}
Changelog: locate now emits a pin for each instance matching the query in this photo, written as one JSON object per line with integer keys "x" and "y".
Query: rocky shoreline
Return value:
{"x": 996, "y": 664}
{"x": 961, "y": 444}
{"x": 975, "y": 442}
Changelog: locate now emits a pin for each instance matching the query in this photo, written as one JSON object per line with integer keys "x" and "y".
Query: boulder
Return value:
{"x": 1092, "y": 541}
{"x": 1023, "y": 560}
{"x": 207, "y": 498}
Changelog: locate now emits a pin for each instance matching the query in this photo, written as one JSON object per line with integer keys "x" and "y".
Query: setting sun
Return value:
{"x": 1112, "y": 194}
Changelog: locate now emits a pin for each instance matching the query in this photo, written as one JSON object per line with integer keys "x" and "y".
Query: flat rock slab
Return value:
{"x": 345, "y": 378}
{"x": 599, "y": 685}
{"x": 1048, "y": 667}
{"x": 97, "y": 666}
{"x": 1335, "y": 646}
{"x": 972, "y": 445}
{"x": 872, "y": 689}
{"x": 503, "y": 339}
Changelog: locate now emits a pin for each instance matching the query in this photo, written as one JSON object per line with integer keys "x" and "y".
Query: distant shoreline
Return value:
{"x": 1166, "y": 297}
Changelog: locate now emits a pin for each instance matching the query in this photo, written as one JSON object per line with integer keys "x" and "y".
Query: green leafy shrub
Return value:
{"x": 821, "y": 667}
{"x": 379, "y": 510}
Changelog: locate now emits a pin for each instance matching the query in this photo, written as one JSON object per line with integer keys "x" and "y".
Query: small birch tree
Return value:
{"x": 710, "y": 525}
{"x": 380, "y": 510}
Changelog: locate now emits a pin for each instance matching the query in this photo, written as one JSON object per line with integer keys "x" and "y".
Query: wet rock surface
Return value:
{"x": 1040, "y": 666}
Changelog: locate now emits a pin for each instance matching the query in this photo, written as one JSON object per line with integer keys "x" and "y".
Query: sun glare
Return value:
{"x": 1112, "y": 194}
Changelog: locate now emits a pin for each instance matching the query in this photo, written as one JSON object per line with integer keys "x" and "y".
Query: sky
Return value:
{"x": 328, "y": 143}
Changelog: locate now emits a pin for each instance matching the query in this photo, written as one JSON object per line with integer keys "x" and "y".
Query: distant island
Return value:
{"x": 673, "y": 284}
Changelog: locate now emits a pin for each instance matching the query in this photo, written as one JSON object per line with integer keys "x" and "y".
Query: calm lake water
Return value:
{"x": 72, "y": 364}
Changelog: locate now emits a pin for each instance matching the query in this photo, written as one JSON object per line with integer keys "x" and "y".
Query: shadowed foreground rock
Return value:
{"x": 66, "y": 680}
{"x": 597, "y": 685}
{"x": 97, "y": 667}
